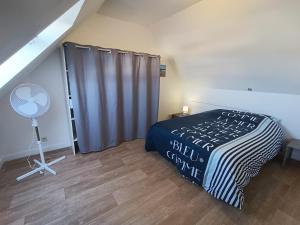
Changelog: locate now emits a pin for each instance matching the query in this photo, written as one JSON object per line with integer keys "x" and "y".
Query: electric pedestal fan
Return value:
{"x": 32, "y": 101}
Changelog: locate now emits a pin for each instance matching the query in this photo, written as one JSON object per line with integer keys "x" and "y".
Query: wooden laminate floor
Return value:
{"x": 127, "y": 185}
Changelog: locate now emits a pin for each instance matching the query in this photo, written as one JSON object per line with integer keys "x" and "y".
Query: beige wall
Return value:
{"x": 16, "y": 131}
{"x": 112, "y": 33}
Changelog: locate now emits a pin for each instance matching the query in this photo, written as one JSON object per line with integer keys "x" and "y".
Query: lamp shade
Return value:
{"x": 185, "y": 109}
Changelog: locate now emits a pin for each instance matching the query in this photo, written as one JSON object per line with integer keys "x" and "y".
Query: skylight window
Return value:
{"x": 29, "y": 52}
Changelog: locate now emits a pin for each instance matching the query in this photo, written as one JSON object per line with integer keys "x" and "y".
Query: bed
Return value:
{"x": 219, "y": 149}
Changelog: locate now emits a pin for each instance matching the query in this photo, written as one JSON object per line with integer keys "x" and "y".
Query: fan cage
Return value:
{"x": 16, "y": 102}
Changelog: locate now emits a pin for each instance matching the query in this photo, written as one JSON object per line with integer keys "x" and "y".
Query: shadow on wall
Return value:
{"x": 170, "y": 90}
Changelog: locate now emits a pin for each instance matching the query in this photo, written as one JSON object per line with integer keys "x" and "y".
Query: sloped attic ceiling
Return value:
{"x": 31, "y": 53}
{"x": 20, "y": 21}
{"x": 143, "y": 12}
{"x": 35, "y": 33}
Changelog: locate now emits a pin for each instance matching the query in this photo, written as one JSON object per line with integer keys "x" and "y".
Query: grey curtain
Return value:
{"x": 114, "y": 94}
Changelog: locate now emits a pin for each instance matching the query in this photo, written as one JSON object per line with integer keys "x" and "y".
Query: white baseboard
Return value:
{"x": 24, "y": 153}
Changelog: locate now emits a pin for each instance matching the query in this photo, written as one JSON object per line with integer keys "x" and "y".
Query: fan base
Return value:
{"x": 42, "y": 167}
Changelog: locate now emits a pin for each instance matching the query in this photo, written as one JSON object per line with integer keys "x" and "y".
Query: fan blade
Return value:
{"x": 29, "y": 108}
{"x": 41, "y": 99}
{"x": 23, "y": 93}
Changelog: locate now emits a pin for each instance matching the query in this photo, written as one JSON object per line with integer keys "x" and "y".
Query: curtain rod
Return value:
{"x": 100, "y": 49}
{"x": 119, "y": 51}
{"x": 134, "y": 53}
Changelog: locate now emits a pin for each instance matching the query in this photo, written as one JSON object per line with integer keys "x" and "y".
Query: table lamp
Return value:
{"x": 185, "y": 109}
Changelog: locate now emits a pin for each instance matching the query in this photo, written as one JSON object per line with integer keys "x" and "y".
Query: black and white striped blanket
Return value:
{"x": 219, "y": 149}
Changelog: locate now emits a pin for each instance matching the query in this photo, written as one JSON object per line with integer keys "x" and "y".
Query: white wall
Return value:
{"x": 233, "y": 44}
{"x": 107, "y": 32}
{"x": 15, "y": 131}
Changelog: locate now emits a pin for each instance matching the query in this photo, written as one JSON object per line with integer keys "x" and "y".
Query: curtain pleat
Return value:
{"x": 115, "y": 95}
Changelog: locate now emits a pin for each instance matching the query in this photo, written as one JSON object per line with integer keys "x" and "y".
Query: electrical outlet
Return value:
{"x": 44, "y": 139}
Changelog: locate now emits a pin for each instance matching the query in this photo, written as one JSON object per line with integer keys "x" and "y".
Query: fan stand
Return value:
{"x": 42, "y": 165}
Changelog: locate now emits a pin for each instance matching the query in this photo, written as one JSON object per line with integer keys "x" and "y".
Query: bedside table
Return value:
{"x": 176, "y": 115}
{"x": 292, "y": 145}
